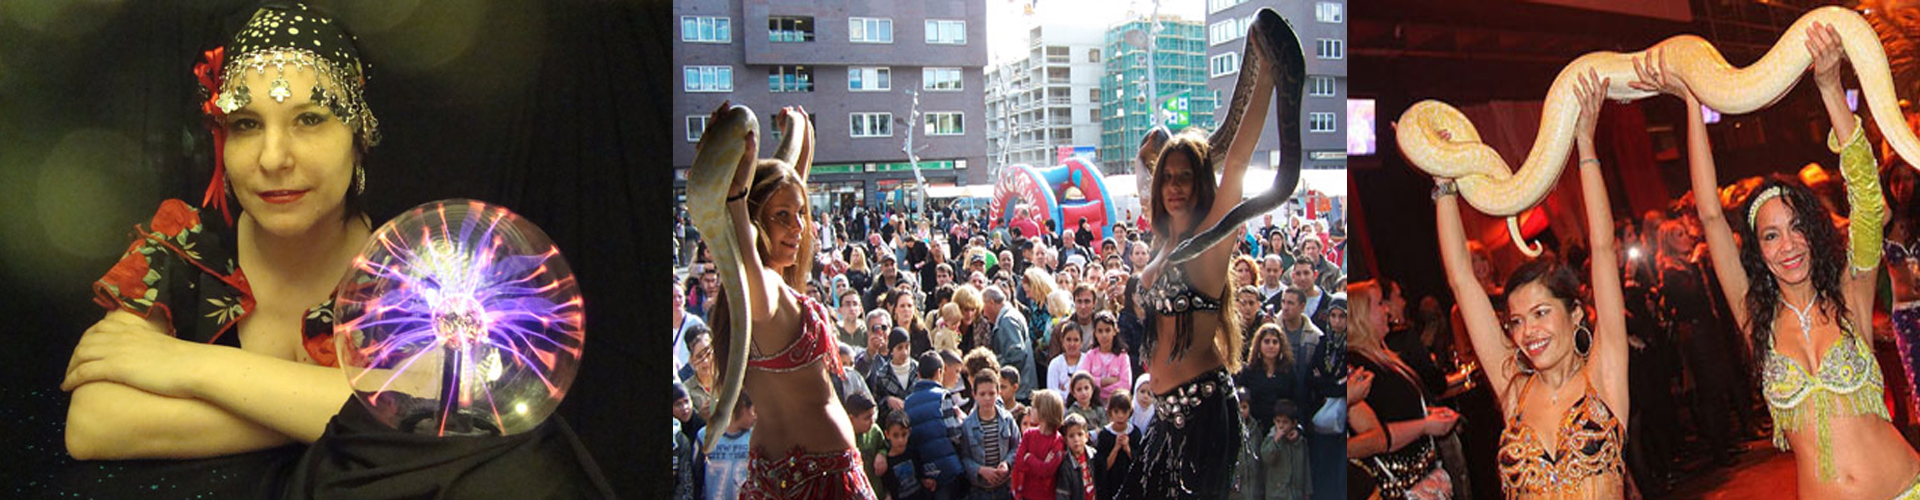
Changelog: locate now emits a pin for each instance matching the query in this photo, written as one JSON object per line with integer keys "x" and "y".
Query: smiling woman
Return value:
{"x": 218, "y": 337}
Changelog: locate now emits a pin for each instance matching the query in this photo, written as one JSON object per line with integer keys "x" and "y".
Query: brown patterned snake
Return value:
{"x": 715, "y": 163}
{"x": 1438, "y": 139}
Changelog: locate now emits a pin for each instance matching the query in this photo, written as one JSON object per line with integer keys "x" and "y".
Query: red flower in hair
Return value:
{"x": 208, "y": 71}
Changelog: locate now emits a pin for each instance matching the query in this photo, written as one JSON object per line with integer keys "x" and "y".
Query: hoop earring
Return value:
{"x": 1577, "y": 342}
{"x": 359, "y": 180}
{"x": 1520, "y": 365}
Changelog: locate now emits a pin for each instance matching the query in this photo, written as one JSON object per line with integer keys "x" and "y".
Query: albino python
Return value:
{"x": 715, "y": 163}
{"x": 1439, "y": 140}
{"x": 1272, "y": 50}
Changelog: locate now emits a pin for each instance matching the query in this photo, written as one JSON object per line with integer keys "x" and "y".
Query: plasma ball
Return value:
{"x": 460, "y": 318}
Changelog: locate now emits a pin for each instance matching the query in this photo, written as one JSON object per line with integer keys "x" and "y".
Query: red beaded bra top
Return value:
{"x": 814, "y": 343}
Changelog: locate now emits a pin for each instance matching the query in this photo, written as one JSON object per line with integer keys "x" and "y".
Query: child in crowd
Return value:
{"x": 992, "y": 437}
{"x": 1084, "y": 403}
{"x": 1283, "y": 456}
{"x": 1074, "y": 479}
{"x": 1246, "y": 475}
{"x": 1113, "y": 450}
{"x": 1142, "y": 404}
{"x": 1067, "y": 356}
{"x": 727, "y": 462}
{"x": 1039, "y": 455}
{"x": 1009, "y": 385}
{"x": 900, "y": 475}
{"x": 868, "y": 437}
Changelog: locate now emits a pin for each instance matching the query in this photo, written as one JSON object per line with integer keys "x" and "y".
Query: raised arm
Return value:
{"x": 1654, "y": 76}
{"x": 1609, "y": 349}
{"x": 1868, "y": 218}
{"x": 755, "y": 277}
{"x": 1482, "y": 323}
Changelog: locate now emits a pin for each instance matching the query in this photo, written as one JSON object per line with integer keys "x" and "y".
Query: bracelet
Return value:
{"x": 738, "y": 197}
{"x": 1596, "y": 161}
{"x": 1444, "y": 188}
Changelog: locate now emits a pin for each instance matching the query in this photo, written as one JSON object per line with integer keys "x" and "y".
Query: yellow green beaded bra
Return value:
{"x": 1848, "y": 384}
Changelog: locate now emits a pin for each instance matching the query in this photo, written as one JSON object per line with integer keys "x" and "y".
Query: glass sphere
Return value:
{"x": 459, "y": 318}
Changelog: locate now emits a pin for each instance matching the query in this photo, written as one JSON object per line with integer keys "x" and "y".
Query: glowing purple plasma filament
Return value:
{"x": 477, "y": 291}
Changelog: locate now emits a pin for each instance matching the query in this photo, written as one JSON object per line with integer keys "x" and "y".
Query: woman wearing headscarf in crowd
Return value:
{"x": 1819, "y": 377}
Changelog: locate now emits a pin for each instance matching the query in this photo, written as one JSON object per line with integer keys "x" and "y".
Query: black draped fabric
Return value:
{"x": 360, "y": 458}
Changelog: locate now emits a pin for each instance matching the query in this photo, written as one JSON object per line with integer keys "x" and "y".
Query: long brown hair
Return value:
{"x": 769, "y": 176}
{"x": 1192, "y": 145}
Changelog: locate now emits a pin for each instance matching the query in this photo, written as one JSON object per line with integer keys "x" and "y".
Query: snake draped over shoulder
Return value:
{"x": 1491, "y": 186}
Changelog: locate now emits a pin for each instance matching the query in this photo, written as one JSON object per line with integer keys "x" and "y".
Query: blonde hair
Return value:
{"x": 967, "y": 297}
{"x": 1364, "y": 337}
{"x": 1039, "y": 283}
{"x": 1049, "y": 407}
{"x": 1060, "y": 303}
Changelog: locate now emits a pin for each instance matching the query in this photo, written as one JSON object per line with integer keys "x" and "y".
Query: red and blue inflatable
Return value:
{"x": 1044, "y": 191}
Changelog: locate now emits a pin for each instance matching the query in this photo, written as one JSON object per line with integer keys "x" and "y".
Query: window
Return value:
{"x": 940, "y": 79}
{"x": 1093, "y": 55}
{"x": 1320, "y": 86}
{"x": 696, "y": 126}
{"x": 872, "y": 124}
{"x": 1224, "y": 64}
{"x": 1220, "y": 5}
{"x": 946, "y": 32}
{"x": 945, "y": 124}
{"x": 1093, "y": 95}
{"x": 1320, "y": 122}
{"x": 869, "y": 30}
{"x": 790, "y": 28}
{"x": 1329, "y": 12}
{"x": 1224, "y": 31}
{"x": 790, "y": 79}
{"x": 869, "y": 79}
{"x": 1058, "y": 54}
{"x": 1331, "y": 48}
{"x": 709, "y": 78}
{"x": 1093, "y": 115}
{"x": 706, "y": 29}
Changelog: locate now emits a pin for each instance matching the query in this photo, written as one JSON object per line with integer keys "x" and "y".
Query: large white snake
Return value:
{"x": 715, "y": 163}
{"x": 1487, "y": 183}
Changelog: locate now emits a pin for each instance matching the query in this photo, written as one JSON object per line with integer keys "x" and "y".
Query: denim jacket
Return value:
{"x": 973, "y": 454}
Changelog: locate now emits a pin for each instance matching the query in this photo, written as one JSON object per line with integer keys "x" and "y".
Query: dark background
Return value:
{"x": 1405, "y": 51}
{"x": 555, "y": 110}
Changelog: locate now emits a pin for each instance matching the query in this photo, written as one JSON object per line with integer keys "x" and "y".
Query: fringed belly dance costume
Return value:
{"x": 1194, "y": 440}
{"x": 1591, "y": 437}
{"x": 1849, "y": 381}
{"x": 803, "y": 475}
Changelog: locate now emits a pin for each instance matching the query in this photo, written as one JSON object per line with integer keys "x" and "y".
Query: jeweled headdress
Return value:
{"x": 281, "y": 39}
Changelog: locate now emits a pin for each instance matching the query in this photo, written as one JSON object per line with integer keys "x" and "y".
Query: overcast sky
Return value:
{"x": 1007, "y": 25}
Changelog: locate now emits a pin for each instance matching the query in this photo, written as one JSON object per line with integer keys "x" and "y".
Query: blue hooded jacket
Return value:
{"x": 935, "y": 430}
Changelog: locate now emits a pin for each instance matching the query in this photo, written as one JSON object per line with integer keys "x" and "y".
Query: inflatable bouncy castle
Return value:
{"x": 1045, "y": 198}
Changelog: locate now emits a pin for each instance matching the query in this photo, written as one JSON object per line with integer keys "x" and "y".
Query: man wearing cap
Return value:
{"x": 889, "y": 277}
